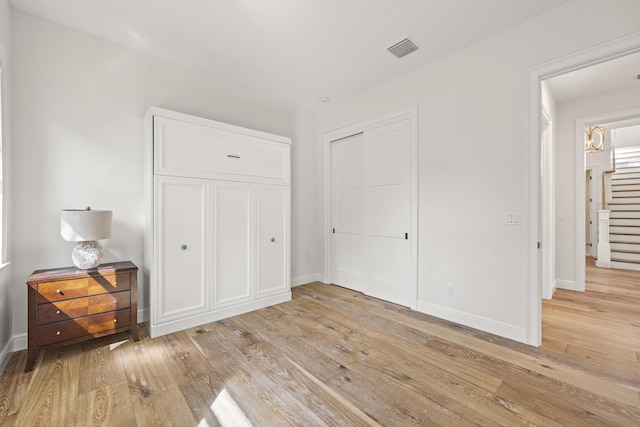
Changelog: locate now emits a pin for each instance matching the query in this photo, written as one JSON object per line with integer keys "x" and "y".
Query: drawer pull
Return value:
{"x": 59, "y": 292}
{"x": 115, "y": 320}
{"x": 57, "y": 332}
{"x": 273, "y": 239}
{"x": 233, "y": 156}
{"x": 58, "y": 311}
{"x": 183, "y": 247}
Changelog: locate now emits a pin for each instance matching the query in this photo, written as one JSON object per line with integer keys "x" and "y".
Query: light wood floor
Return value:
{"x": 336, "y": 357}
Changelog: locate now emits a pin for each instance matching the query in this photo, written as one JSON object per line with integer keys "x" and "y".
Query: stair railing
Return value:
{"x": 604, "y": 176}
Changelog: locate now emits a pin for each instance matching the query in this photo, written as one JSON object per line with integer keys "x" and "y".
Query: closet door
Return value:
{"x": 181, "y": 229}
{"x": 347, "y": 204}
{"x": 388, "y": 212}
{"x": 371, "y": 212}
{"x": 272, "y": 239}
{"x": 232, "y": 242}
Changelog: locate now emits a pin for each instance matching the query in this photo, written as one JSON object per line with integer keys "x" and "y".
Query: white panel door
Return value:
{"x": 388, "y": 212}
{"x": 181, "y": 227}
{"x": 347, "y": 183}
{"x": 272, "y": 238}
{"x": 232, "y": 242}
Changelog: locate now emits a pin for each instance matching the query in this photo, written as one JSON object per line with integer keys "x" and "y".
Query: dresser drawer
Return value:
{"x": 77, "y": 288}
{"x": 191, "y": 150}
{"x": 80, "y": 307}
{"x": 83, "y": 326}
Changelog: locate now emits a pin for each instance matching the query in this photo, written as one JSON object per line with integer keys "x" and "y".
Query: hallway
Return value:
{"x": 600, "y": 327}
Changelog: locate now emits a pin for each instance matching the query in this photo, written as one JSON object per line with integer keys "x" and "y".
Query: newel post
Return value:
{"x": 604, "y": 247}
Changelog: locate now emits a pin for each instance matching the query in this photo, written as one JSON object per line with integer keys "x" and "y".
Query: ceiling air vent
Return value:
{"x": 403, "y": 48}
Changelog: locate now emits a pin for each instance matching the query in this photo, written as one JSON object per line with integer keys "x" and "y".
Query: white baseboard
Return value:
{"x": 566, "y": 284}
{"x": 179, "y": 324}
{"x": 20, "y": 342}
{"x": 477, "y": 322}
{"x": 5, "y": 354}
{"x": 303, "y": 280}
{"x": 16, "y": 343}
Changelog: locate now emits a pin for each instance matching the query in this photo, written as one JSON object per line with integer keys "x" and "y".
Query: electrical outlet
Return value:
{"x": 450, "y": 290}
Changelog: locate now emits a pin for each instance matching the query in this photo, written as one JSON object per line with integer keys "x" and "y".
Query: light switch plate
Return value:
{"x": 513, "y": 219}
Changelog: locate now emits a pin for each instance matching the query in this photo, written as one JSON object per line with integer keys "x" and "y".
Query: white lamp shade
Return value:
{"x": 82, "y": 225}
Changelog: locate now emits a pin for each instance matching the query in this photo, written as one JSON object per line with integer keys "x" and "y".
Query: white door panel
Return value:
{"x": 388, "y": 272}
{"x": 388, "y": 212}
{"x": 232, "y": 237}
{"x": 273, "y": 235}
{"x": 181, "y": 228}
{"x": 347, "y": 253}
{"x": 348, "y": 204}
{"x": 347, "y": 175}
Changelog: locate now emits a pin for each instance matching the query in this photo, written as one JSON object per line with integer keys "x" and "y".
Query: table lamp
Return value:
{"x": 85, "y": 227}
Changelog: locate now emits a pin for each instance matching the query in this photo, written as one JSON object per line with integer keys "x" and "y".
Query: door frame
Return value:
{"x": 409, "y": 112}
{"x": 547, "y": 207}
{"x": 594, "y": 203}
{"x": 580, "y": 165}
{"x": 533, "y": 104}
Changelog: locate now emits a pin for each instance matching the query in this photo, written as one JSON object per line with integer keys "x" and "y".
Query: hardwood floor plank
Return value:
{"x": 540, "y": 403}
{"x": 246, "y": 380}
{"x": 101, "y": 363}
{"x": 162, "y": 408}
{"x": 562, "y": 396}
{"x": 182, "y": 357}
{"x": 395, "y": 374}
{"x": 110, "y": 405}
{"x": 358, "y": 390}
{"x": 628, "y": 369}
{"x": 522, "y": 355}
{"x": 13, "y": 386}
{"x": 52, "y": 395}
{"x": 402, "y": 339}
{"x": 144, "y": 374}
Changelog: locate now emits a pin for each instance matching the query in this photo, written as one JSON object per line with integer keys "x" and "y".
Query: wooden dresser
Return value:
{"x": 69, "y": 305}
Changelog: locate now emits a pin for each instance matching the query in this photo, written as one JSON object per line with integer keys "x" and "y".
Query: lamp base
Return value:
{"x": 87, "y": 254}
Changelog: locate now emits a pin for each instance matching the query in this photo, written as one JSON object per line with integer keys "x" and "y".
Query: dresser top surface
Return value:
{"x": 76, "y": 273}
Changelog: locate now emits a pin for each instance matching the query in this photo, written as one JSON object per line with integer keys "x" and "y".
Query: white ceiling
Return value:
{"x": 299, "y": 49}
{"x": 608, "y": 76}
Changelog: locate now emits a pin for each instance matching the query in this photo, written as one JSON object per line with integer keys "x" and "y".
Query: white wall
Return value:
{"x": 628, "y": 136}
{"x": 567, "y": 114}
{"x": 77, "y": 122}
{"x": 473, "y": 162}
{"x": 6, "y": 344}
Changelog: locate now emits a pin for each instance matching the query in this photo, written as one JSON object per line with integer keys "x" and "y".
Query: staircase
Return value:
{"x": 624, "y": 231}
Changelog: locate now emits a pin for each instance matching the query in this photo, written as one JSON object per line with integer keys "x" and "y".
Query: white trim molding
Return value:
{"x": 6, "y": 353}
{"x": 473, "y": 321}
{"x": 303, "y": 280}
{"x": 16, "y": 343}
{"x": 569, "y": 285}
{"x": 534, "y": 76}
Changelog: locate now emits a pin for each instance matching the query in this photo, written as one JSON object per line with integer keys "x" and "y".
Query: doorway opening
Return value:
{"x": 538, "y": 261}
